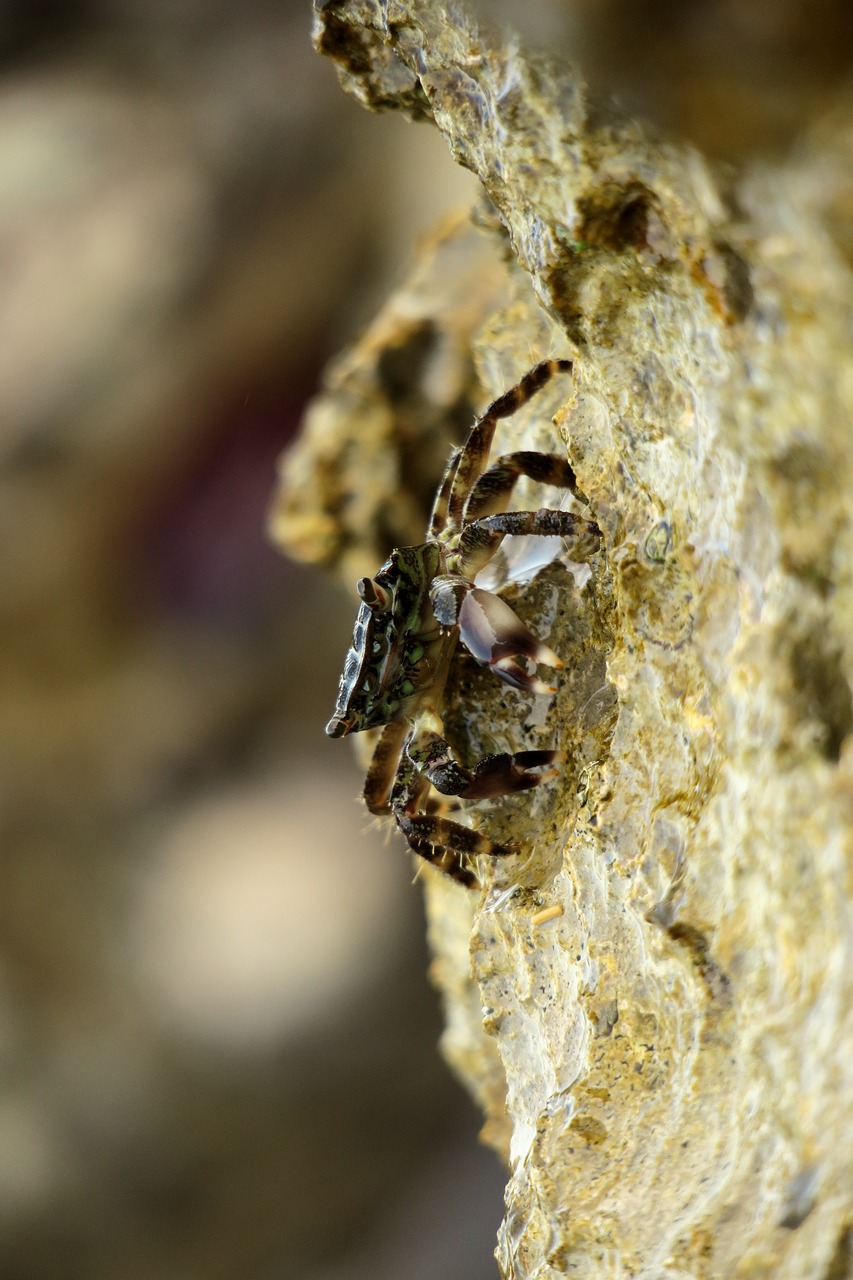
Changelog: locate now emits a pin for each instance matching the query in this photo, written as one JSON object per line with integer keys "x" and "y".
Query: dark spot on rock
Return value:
{"x": 381, "y": 79}
{"x": 698, "y": 948}
{"x": 615, "y": 217}
{"x": 727, "y": 275}
{"x": 821, "y": 692}
{"x": 606, "y": 1017}
{"x": 800, "y": 1198}
{"x": 841, "y": 1263}
{"x": 737, "y": 289}
{"x": 401, "y": 365}
{"x": 338, "y": 41}
{"x": 590, "y": 1129}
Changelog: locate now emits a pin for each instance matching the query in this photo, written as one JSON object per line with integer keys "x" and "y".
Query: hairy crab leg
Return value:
{"x": 442, "y": 842}
{"x": 382, "y": 770}
{"x": 475, "y": 452}
{"x": 438, "y": 517}
{"x": 493, "y": 489}
{"x": 439, "y": 841}
{"x": 494, "y": 775}
{"x": 433, "y": 757}
{"x": 479, "y": 540}
{"x": 446, "y": 860}
{"x": 501, "y": 775}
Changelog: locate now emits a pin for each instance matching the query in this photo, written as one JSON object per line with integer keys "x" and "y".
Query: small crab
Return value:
{"x": 420, "y": 603}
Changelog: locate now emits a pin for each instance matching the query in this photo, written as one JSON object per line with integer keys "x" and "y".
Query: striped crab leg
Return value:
{"x": 475, "y": 452}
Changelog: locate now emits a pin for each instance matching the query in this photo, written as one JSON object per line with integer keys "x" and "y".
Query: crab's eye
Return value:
{"x": 374, "y": 596}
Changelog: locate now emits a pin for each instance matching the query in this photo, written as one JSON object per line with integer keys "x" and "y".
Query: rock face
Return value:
{"x": 658, "y": 1018}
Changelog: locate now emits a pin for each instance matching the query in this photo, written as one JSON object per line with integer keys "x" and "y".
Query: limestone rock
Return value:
{"x": 666, "y": 976}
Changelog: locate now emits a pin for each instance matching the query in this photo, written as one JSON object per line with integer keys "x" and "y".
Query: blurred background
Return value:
{"x": 217, "y": 1042}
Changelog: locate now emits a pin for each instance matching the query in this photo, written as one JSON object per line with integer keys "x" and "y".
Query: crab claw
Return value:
{"x": 513, "y": 673}
{"x": 495, "y": 635}
{"x": 500, "y": 775}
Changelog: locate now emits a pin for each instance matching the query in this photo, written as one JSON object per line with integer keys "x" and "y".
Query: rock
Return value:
{"x": 666, "y": 976}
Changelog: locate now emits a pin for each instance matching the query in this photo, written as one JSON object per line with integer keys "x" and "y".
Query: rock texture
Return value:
{"x": 659, "y": 1024}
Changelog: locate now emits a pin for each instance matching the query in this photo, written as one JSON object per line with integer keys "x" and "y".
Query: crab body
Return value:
{"x": 396, "y": 643}
{"x": 414, "y": 611}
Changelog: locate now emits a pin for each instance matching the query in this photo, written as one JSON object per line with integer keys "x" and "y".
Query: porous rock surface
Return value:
{"x": 657, "y": 1018}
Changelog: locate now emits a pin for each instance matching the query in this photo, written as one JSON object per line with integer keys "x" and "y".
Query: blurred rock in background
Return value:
{"x": 216, "y": 1037}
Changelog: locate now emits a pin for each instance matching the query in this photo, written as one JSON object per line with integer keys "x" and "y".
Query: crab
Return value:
{"x": 422, "y": 602}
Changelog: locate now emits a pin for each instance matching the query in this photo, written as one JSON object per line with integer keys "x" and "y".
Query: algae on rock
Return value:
{"x": 658, "y": 1014}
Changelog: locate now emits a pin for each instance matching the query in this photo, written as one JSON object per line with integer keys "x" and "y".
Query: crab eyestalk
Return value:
{"x": 374, "y": 596}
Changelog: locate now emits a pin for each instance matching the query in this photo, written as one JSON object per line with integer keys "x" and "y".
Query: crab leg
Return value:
{"x": 438, "y": 518}
{"x": 495, "y": 775}
{"x": 383, "y": 767}
{"x": 439, "y": 841}
{"x": 472, "y": 460}
{"x": 432, "y": 756}
{"x": 503, "y": 774}
{"x": 479, "y": 540}
{"x": 492, "y": 491}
